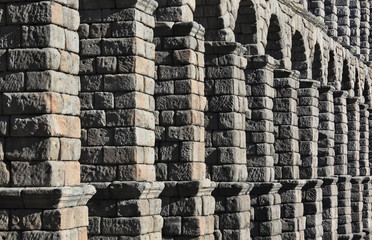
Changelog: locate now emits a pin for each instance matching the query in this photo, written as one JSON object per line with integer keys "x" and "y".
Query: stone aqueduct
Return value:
{"x": 185, "y": 119}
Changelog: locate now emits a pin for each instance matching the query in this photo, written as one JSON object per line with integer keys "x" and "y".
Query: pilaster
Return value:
{"x": 330, "y": 18}
{"x": 364, "y": 141}
{"x": 344, "y": 229}
{"x": 341, "y": 131}
{"x": 292, "y": 209}
{"x": 41, "y": 196}
{"x": 117, "y": 70}
{"x": 287, "y": 158}
{"x": 355, "y": 27}
{"x": 367, "y": 207}
{"x": 266, "y": 204}
{"x": 343, "y": 20}
{"x": 365, "y": 30}
{"x": 317, "y": 8}
{"x": 357, "y": 188}
{"x": 226, "y": 144}
{"x": 330, "y": 208}
{"x": 353, "y": 136}
{"x": 225, "y": 123}
{"x": 188, "y": 204}
{"x": 370, "y": 139}
{"x": 265, "y": 200}
{"x": 312, "y": 196}
{"x": 260, "y": 120}
{"x": 233, "y": 210}
{"x": 326, "y": 132}
{"x": 308, "y": 123}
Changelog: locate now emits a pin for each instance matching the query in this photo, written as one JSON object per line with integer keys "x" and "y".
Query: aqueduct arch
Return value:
{"x": 192, "y": 119}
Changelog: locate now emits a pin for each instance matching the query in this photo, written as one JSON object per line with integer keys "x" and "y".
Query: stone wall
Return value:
{"x": 192, "y": 119}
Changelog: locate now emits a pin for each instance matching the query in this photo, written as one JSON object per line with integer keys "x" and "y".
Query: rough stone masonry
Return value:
{"x": 185, "y": 120}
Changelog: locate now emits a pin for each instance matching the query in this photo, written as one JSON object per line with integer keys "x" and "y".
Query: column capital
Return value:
{"x": 262, "y": 61}
{"x": 340, "y": 93}
{"x": 223, "y": 47}
{"x": 265, "y": 188}
{"x": 308, "y": 83}
{"x": 326, "y": 88}
{"x": 285, "y": 78}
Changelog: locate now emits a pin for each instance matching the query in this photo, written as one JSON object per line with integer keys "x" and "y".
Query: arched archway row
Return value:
{"x": 320, "y": 49}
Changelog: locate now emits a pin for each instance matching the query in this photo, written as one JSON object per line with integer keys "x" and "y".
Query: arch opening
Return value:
{"x": 367, "y": 92}
{"x": 346, "y": 81}
{"x": 331, "y": 78}
{"x": 317, "y": 70}
{"x": 298, "y": 55}
{"x": 357, "y": 87}
{"x": 246, "y": 23}
{"x": 274, "y": 46}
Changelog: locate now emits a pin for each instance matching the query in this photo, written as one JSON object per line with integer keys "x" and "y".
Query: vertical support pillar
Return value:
{"x": 287, "y": 157}
{"x": 308, "y": 122}
{"x": 353, "y": 136}
{"x": 370, "y": 139}
{"x": 353, "y": 113}
{"x": 331, "y": 19}
{"x": 326, "y": 132}
{"x": 317, "y": 8}
{"x": 180, "y": 102}
{"x": 343, "y": 19}
{"x": 40, "y": 192}
{"x": 266, "y": 204}
{"x": 312, "y": 196}
{"x": 292, "y": 209}
{"x": 370, "y": 35}
{"x": 355, "y": 26}
{"x": 367, "y": 207}
{"x": 117, "y": 82}
{"x": 365, "y": 169}
{"x": 233, "y": 208}
{"x": 225, "y": 126}
{"x": 226, "y": 144}
{"x": 341, "y": 165}
{"x": 326, "y": 160}
{"x": 364, "y": 141}
{"x": 260, "y": 82}
{"x": 330, "y": 208}
{"x": 341, "y": 130}
{"x": 344, "y": 208}
{"x": 357, "y": 188}
{"x": 265, "y": 200}
{"x": 365, "y": 30}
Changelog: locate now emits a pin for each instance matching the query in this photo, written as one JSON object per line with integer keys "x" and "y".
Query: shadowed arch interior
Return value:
{"x": 298, "y": 55}
{"x": 346, "y": 81}
{"x": 357, "y": 87}
{"x": 331, "y": 68}
{"x": 246, "y": 24}
{"x": 317, "y": 71}
{"x": 274, "y": 42}
{"x": 367, "y": 92}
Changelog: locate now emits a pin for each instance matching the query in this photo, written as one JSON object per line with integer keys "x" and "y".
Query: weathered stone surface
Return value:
{"x": 141, "y": 91}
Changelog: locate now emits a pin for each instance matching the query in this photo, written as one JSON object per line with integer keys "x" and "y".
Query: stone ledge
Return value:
{"x": 357, "y": 180}
{"x": 329, "y": 180}
{"x": 188, "y": 188}
{"x": 292, "y": 184}
{"x": 45, "y": 197}
{"x": 232, "y": 189}
{"x": 313, "y": 183}
{"x": 128, "y": 190}
{"x": 265, "y": 188}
